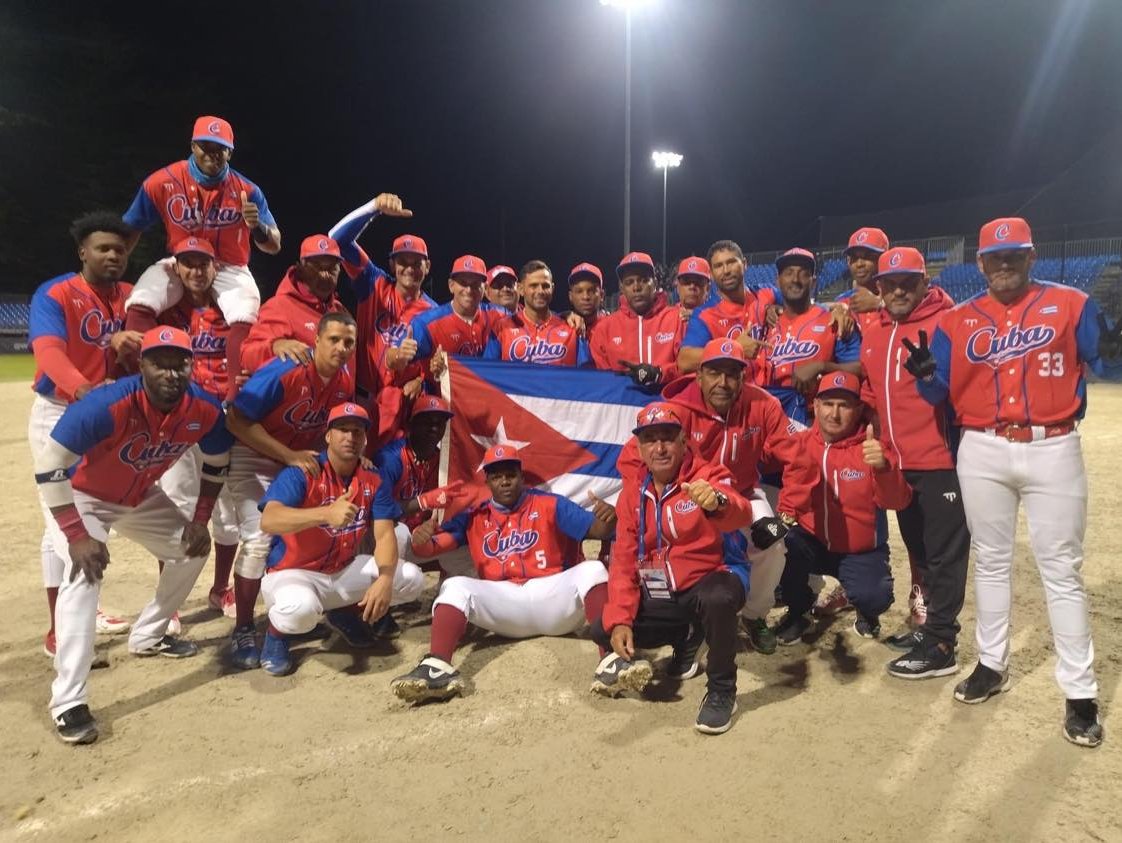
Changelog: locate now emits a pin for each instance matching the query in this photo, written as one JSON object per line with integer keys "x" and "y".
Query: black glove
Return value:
{"x": 645, "y": 375}
{"x": 920, "y": 362}
{"x": 767, "y": 531}
{"x": 1110, "y": 339}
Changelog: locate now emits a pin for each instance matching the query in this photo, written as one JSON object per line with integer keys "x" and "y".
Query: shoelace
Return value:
{"x": 244, "y": 639}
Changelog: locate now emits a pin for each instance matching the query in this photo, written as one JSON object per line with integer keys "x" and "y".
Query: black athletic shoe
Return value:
{"x": 432, "y": 679}
{"x": 170, "y": 647}
{"x": 352, "y": 628}
{"x": 615, "y": 674}
{"x": 865, "y": 627}
{"x": 791, "y": 629}
{"x": 924, "y": 661}
{"x": 686, "y": 661}
{"x": 715, "y": 715}
{"x": 76, "y": 725}
{"x": 1081, "y": 723}
{"x": 906, "y": 641}
{"x": 386, "y": 628}
{"x": 980, "y": 685}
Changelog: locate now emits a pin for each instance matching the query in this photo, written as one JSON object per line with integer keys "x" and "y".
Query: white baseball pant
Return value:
{"x": 1048, "y": 477}
{"x": 181, "y": 483}
{"x": 158, "y": 288}
{"x": 157, "y": 526}
{"x": 45, "y": 414}
{"x": 297, "y": 599}
{"x": 552, "y": 605}
{"x": 249, "y": 476}
{"x": 766, "y": 566}
{"x": 456, "y": 564}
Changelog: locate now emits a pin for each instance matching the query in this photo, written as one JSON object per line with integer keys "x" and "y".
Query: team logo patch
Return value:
{"x": 664, "y": 336}
{"x": 850, "y": 474}
{"x": 166, "y": 335}
{"x": 895, "y": 259}
{"x": 497, "y": 546}
{"x": 189, "y": 215}
{"x": 727, "y": 347}
{"x": 818, "y": 329}
{"x": 322, "y": 245}
{"x": 214, "y": 128}
{"x": 1050, "y": 309}
{"x": 140, "y": 455}
{"x": 792, "y": 350}
{"x": 97, "y": 329}
{"x": 1002, "y": 232}
{"x": 682, "y": 507}
{"x": 194, "y": 426}
{"x": 526, "y": 349}
{"x": 208, "y": 343}
{"x": 304, "y": 416}
{"x": 862, "y": 236}
{"x": 987, "y": 346}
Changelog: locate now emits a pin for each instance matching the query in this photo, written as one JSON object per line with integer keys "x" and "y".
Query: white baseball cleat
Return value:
{"x": 432, "y": 679}
{"x": 615, "y": 674}
{"x": 110, "y": 624}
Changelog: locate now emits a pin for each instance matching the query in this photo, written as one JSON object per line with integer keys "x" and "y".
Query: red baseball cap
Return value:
{"x": 796, "y": 255}
{"x": 635, "y": 259}
{"x": 695, "y": 266}
{"x": 1004, "y": 233}
{"x": 656, "y": 413}
{"x": 578, "y": 272}
{"x": 723, "y": 349}
{"x": 409, "y": 244}
{"x": 469, "y": 265}
{"x": 839, "y": 382}
{"x": 902, "y": 259}
{"x": 430, "y": 404}
{"x": 215, "y": 130}
{"x": 164, "y": 336}
{"x": 873, "y": 239}
{"x": 500, "y": 453}
{"x": 319, "y": 245}
{"x": 193, "y": 246}
{"x": 500, "y": 269}
{"x": 348, "y": 410}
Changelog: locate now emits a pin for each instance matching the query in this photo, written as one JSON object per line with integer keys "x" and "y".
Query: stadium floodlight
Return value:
{"x": 626, "y": 5}
{"x": 664, "y": 161}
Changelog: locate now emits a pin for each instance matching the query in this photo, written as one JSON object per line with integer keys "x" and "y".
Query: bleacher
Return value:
{"x": 14, "y": 318}
{"x": 1083, "y": 272}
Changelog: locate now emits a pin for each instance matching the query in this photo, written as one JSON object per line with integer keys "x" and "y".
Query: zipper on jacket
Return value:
{"x": 826, "y": 493}
{"x": 888, "y": 388}
{"x": 641, "y": 340}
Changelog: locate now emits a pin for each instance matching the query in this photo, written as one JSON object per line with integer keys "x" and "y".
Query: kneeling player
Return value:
{"x": 318, "y": 524}
{"x": 526, "y": 547}
{"x": 668, "y": 583}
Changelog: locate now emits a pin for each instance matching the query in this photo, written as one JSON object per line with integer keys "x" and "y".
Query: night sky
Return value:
{"x": 500, "y": 122}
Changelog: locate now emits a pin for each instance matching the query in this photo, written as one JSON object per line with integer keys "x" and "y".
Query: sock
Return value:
{"x": 238, "y": 332}
{"x": 52, "y": 598}
{"x": 448, "y": 626}
{"x": 594, "y": 602}
{"x": 245, "y": 598}
{"x": 223, "y": 563}
{"x": 272, "y": 630}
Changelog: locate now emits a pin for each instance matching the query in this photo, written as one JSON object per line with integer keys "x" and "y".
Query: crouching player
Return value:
{"x": 526, "y": 547}
{"x": 318, "y": 526}
{"x": 668, "y": 583}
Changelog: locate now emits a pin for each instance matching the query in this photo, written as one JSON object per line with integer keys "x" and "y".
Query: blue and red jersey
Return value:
{"x": 84, "y": 319}
{"x": 291, "y": 401}
{"x": 725, "y": 319}
{"x": 126, "y": 443}
{"x": 208, "y": 331}
{"x": 553, "y": 343}
{"x": 175, "y": 196}
{"x": 540, "y": 535}
{"x": 442, "y": 326}
{"x": 325, "y": 549}
{"x": 406, "y": 477}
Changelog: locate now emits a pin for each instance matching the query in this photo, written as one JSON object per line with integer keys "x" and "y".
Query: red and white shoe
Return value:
{"x": 49, "y": 644}
{"x": 831, "y": 602}
{"x": 110, "y": 624}
{"x": 917, "y": 605}
{"x": 222, "y": 600}
{"x": 174, "y": 626}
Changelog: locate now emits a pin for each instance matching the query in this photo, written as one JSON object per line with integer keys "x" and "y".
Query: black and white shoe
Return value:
{"x": 925, "y": 660}
{"x": 351, "y": 628}
{"x": 715, "y": 715}
{"x": 905, "y": 641}
{"x": 686, "y": 661}
{"x": 76, "y": 725}
{"x": 980, "y": 685}
{"x": 386, "y": 628}
{"x": 792, "y": 629}
{"x": 615, "y": 674}
{"x": 866, "y": 628}
{"x": 432, "y": 679}
{"x": 170, "y": 647}
{"x": 1081, "y": 723}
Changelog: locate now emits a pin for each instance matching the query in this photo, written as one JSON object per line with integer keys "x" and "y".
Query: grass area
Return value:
{"x": 16, "y": 367}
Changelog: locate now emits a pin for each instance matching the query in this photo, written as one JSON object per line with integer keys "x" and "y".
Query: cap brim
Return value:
{"x": 491, "y": 465}
{"x": 839, "y": 389}
{"x": 364, "y": 422}
{"x": 322, "y": 255}
{"x": 876, "y": 249}
{"x": 1005, "y": 247}
{"x": 780, "y": 263}
{"x": 455, "y": 275}
{"x": 163, "y": 345}
{"x": 433, "y": 412}
{"x": 881, "y": 275}
{"x": 623, "y": 266}
{"x": 584, "y": 275}
{"x": 737, "y": 360}
{"x": 697, "y": 275}
{"x": 416, "y": 252}
{"x": 183, "y": 252}
{"x": 213, "y": 139}
{"x": 635, "y": 430}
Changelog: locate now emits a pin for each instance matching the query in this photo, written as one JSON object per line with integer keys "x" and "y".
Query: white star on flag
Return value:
{"x": 499, "y": 437}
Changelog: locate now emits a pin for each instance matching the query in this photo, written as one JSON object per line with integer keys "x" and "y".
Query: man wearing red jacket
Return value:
{"x": 586, "y": 294}
{"x": 286, "y": 325}
{"x": 833, "y": 495}
{"x": 668, "y": 583}
{"x": 642, "y": 338}
{"x": 934, "y": 524}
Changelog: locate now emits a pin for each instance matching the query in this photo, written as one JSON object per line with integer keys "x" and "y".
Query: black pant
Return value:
{"x": 866, "y": 577}
{"x": 713, "y": 601}
{"x": 934, "y": 528}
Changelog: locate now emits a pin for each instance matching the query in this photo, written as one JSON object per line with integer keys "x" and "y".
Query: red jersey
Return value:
{"x": 540, "y": 535}
{"x": 915, "y": 430}
{"x": 626, "y": 336}
{"x": 208, "y": 331}
{"x": 728, "y": 320}
{"x": 78, "y": 320}
{"x": 552, "y": 342}
{"x": 800, "y": 339}
{"x": 293, "y": 313}
{"x": 442, "y": 326}
{"x": 291, "y": 401}
{"x": 324, "y": 549}
{"x": 407, "y": 477}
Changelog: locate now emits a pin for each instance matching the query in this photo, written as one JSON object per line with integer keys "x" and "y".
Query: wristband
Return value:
{"x": 70, "y": 522}
{"x": 260, "y": 234}
{"x": 203, "y": 508}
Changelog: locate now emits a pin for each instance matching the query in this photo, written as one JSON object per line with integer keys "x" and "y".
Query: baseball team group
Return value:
{"x": 303, "y": 441}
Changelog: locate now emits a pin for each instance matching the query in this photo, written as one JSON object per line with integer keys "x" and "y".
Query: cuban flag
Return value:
{"x": 568, "y": 424}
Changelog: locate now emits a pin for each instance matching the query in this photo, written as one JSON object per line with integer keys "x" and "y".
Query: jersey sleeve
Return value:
{"x": 289, "y": 488}
{"x": 457, "y": 527}
{"x": 347, "y": 231}
{"x": 47, "y": 318}
{"x": 419, "y": 328}
{"x": 384, "y": 507}
{"x": 935, "y": 390}
{"x": 697, "y": 332}
{"x": 584, "y": 353}
{"x": 387, "y": 462}
{"x": 142, "y": 212}
{"x": 262, "y": 392}
{"x": 572, "y": 520}
{"x": 493, "y": 350}
{"x": 848, "y": 349}
{"x": 257, "y": 197}
{"x": 218, "y": 440}
{"x": 86, "y": 422}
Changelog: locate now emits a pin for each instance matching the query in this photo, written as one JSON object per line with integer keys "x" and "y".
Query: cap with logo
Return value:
{"x": 348, "y": 410}
{"x": 163, "y": 336}
{"x": 1003, "y": 234}
{"x": 796, "y": 255}
{"x": 501, "y": 271}
{"x": 873, "y": 239}
{"x": 695, "y": 266}
{"x": 723, "y": 348}
{"x": 839, "y": 382}
{"x": 193, "y": 246}
{"x": 586, "y": 271}
{"x": 409, "y": 244}
{"x": 215, "y": 130}
{"x": 430, "y": 404}
{"x": 500, "y": 453}
{"x": 469, "y": 265}
{"x": 901, "y": 260}
{"x": 655, "y": 414}
{"x": 634, "y": 259}
{"x": 319, "y": 245}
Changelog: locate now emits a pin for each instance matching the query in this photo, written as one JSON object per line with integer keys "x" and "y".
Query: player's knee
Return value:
{"x": 409, "y": 583}
{"x": 871, "y": 594}
{"x": 723, "y": 594}
{"x": 250, "y": 562}
{"x": 589, "y": 574}
{"x": 295, "y": 610}
{"x": 154, "y": 286}
{"x": 454, "y": 592}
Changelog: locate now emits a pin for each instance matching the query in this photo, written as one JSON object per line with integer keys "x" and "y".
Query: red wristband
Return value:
{"x": 203, "y": 508}
{"x": 70, "y": 522}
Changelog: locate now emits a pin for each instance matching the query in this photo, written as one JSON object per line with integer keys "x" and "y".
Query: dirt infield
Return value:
{"x": 825, "y": 746}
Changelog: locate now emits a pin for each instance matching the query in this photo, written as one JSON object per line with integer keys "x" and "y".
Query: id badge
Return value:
{"x": 652, "y": 573}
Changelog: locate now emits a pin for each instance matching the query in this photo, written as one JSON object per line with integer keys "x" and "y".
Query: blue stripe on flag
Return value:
{"x": 562, "y": 382}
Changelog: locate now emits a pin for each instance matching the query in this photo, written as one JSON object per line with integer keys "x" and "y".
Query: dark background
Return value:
{"x": 500, "y": 122}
